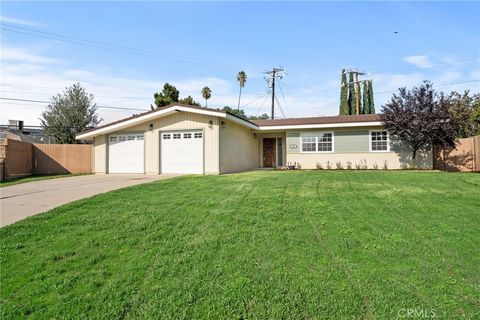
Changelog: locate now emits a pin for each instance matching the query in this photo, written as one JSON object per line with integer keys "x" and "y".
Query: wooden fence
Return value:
{"x": 62, "y": 158}
{"x": 15, "y": 159}
{"x": 22, "y": 159}
{"x": 464, "y": 157}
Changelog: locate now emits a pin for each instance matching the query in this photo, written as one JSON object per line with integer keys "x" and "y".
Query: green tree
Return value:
{"x": 241, "y": 114}
{"x": 371, "y": 102}
{"x": 69, "y": 113}
{"x": 189, "y": 101}
{"x": 359, "y": 97}
{"x": 344, "y": 95}
{"x": 365, "y": 96}
{"x": 242, "y": 79}
{"x": 206, "y": 94}
{"x": 237, "y": 112}
{"x": 260, "y": 117}
{"x": 168, "y": 95}
{"x": 351, "y": 95}
{"x": 464, "y": 110}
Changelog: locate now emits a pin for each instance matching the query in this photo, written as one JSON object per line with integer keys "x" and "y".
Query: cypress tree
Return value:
{"x": 366, "y": 102}
{"x": 359, "y": 95}
{"x": 351, "y": 95}
{"x": 343, "y": 95}
{"x": 370, "y": 98}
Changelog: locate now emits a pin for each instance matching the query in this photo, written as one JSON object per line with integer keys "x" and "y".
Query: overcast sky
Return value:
{"x": 124, "y": 52}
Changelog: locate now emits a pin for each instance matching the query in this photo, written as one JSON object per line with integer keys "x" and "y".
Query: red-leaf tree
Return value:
{"x": 419, "y": 117}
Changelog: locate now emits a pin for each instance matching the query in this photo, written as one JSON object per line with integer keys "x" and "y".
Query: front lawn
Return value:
{"x": 265, "y": 244}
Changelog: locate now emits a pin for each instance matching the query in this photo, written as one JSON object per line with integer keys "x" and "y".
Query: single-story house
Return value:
{"x": 186, "y": 139}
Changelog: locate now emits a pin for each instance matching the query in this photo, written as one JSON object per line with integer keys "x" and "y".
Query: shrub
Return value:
{"x": 349, "y": 165}
{"x": 339, "y": 165}
{"x": 319, "y": 166}
{"x": 363, "y": 164}
{"x": 385, "y": 165}
{"x": 358, "y": 166}
{"x": 329, "y": 165}
{"x": 375, "y": 166}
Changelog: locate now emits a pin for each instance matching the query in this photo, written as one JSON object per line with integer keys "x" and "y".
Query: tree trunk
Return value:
{"x": 239, "y": 95}
{"x": 414, "y": 158}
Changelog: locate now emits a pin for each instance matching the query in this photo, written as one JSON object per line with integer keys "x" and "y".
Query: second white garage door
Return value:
{"x": 181, "y": 152}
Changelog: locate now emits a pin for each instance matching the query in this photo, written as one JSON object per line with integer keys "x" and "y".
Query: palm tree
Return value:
{"x": 206, "y": 94}
{"x": 241, "y": 78}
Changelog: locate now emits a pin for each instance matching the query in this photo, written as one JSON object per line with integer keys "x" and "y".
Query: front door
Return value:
{"x": 268, "y": 152}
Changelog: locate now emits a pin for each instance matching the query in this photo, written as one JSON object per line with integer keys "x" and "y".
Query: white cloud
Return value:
{"x": 419, "y": 61}
{"x": 19, "y": 21}
{"x": 23, "y": 55}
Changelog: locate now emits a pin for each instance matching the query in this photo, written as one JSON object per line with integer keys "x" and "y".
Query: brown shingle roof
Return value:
{"x": 266, "y": 123}
{"x": 318, "y": 120}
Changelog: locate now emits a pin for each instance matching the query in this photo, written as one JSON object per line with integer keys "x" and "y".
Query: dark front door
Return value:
{"x": 268, "y": 152}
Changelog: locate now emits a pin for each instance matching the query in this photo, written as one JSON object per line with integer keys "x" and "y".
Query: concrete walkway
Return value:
{"x": 27, "y": 199}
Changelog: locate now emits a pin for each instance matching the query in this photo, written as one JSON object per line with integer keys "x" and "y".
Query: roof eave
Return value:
{"x": 150, "y": 116}
{"x": 322, "y": 125}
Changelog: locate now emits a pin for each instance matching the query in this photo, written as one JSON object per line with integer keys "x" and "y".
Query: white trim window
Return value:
{"x": 379, "y": 141}
{"x": 320, "y": 142}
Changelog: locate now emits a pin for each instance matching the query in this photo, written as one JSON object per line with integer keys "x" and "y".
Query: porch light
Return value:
{"x": 210, "y": 124}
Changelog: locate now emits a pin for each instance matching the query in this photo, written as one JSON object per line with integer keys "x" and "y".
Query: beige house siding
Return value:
{"x": 238, "y": 148}
{"x": 100, "y": 150}
{"x": 178, "y": 121}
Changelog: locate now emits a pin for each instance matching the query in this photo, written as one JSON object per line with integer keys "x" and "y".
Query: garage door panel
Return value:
{"x": 126, "y": 153}
{"x": 182, "y": 152}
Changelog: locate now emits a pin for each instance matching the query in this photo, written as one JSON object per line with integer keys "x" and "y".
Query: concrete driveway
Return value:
{"x": 27, "y": 199}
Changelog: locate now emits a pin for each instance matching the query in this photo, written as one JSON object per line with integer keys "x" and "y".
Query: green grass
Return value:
{"x": 12, "y": 182}
{"x": 258, "y": 245}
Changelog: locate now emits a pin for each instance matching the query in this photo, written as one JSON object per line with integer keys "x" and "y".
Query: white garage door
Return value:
{"x": 126, "y": 153}
{"x": 182, "y": 152}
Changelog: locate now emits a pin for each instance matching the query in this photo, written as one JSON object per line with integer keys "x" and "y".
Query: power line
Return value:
{"x": 261, "y": 106}
{"x": 281, "y": 91}
{"x": 280, "y": 107}
{"x": 256, "y": 99}
{"x": 436, "y": 65}
{"x": 435, "y": 85}
{"x": 98, "y": 106}
{"x": 103, "y": 45}
{"x": 141, "y": 93}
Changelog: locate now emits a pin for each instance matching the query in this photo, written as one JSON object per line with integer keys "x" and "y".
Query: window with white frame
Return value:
{"x": 177, "y": 136}
{"x": 379, "y": 140}
{"x": 317, "y": 142}
{"x": 166, "y": 136}
{"x": 197, "y": 135}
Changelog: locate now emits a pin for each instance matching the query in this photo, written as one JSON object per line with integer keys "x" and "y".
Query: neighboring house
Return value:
{"x": 16, "y": 130}
{"x": 185, "y": 139}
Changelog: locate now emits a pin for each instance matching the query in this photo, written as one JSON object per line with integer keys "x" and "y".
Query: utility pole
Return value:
{"x": 270, "y": 77}
{"x": 356, "y": 74}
